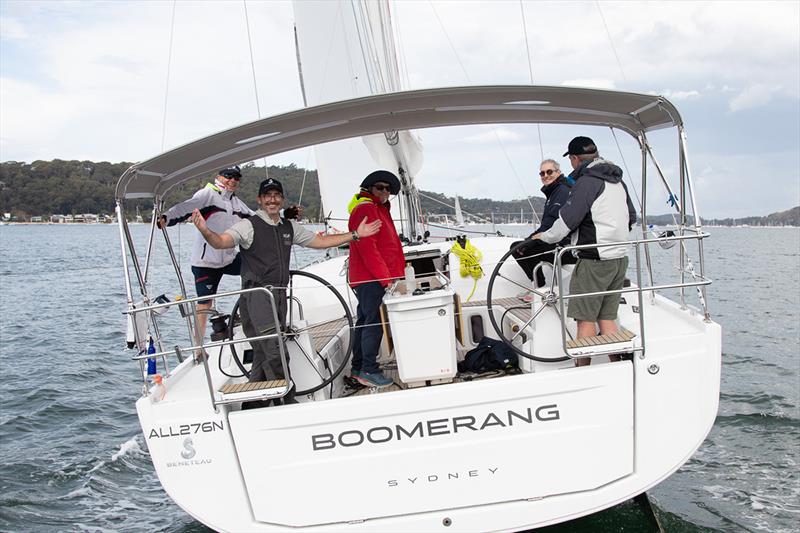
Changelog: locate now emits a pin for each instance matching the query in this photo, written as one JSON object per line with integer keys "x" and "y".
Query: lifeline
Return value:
{"x": 431, "y": 428}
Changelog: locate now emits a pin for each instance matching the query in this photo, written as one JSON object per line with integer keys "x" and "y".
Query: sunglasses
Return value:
{"x": 549, "y": 172}
{"x": 382, "y": 187}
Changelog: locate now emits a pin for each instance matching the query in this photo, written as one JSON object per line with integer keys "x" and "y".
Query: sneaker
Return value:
{"x": 525, "y": 296}
{"x": 351, "y": 381}
{"x": 374, "y": 379}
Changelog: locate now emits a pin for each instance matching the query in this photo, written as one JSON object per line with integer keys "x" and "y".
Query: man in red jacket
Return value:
{"x": 374, "y": 263}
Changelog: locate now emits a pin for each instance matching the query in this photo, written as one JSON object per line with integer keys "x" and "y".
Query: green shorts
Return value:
{"x": 595, "y": 275}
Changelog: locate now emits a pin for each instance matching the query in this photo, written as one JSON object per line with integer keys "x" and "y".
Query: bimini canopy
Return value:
{"x": 630, "y": 112}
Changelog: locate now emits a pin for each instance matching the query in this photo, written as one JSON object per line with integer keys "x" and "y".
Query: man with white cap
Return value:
{"x": 221, "y": 208}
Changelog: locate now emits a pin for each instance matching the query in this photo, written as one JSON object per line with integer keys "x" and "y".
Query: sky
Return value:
{"x": 89, "y": 80}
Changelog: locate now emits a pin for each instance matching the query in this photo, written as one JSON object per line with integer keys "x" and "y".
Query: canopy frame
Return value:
{"x": 633, "y": 113}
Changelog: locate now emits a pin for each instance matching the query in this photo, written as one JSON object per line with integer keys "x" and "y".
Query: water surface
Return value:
{"x": 72, "y": 456}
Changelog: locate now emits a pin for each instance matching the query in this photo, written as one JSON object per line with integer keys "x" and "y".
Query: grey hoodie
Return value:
{"x": 598, "y": 211}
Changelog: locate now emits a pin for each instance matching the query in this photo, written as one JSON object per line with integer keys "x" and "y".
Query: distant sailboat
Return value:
{"x": 459, "y": 215}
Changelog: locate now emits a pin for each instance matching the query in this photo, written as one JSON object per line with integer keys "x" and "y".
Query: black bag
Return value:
{"x": 490, "y": 354}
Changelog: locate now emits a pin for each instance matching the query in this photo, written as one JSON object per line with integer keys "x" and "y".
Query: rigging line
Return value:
{"x": 253, "y": 71}
{"x": 305, "y": 173}
{"x": 628, "y": 172}
{"x": 169, "y": 68}
{"x": 403, "y": 66}
{"x": 366, "y": 56}
{"x": 494, "y": 130}
{"x": 335, "y": 27}
{"x": 516, "y": 176}
{"x": 387, "y": 84}
{"x": 530, "y": 70}
{"x": 610, "y": 40}
{"x": 451, "y": 206}
{"x": 447, "y": 36}
{"x": 393, "y": 45}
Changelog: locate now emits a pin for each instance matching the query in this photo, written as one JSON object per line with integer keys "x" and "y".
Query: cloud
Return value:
{"x": 756, "y": 95}
{"x": 492, "y": 135}
{"x": 92, "y": 83}
{"x": 592, "y": 83}
{"x": 107, "y": 102}
{"x": 12, "y": 29}
{"x": 680, "y": 95}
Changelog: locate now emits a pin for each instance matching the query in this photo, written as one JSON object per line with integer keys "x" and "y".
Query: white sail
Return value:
{"x": 347, "y": 50}
{"x": 459, "y": 215}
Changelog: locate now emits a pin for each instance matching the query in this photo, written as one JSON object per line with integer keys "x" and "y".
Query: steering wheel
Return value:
{"x": 347, "y": 315}
{"x": 547, "y": 299}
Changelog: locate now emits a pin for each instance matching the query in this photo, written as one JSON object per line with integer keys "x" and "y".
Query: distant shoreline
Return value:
{"x": 3, "y": 223}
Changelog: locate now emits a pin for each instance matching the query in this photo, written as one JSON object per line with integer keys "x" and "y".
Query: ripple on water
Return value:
{"x": 74, "y": 457}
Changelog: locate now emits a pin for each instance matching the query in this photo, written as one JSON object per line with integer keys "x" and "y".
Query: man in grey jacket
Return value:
{"x": 599, "y": 211}
{"x": 265, "y": 241}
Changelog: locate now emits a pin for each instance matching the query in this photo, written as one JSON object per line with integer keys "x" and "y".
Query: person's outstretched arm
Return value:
{"x": 327, "y": 241}
{"x": 216, "y": 240}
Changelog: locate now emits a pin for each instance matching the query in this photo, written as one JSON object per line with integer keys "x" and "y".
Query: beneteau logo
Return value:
{"x": 188, "y": 454}
{"x": 433, "y": 428}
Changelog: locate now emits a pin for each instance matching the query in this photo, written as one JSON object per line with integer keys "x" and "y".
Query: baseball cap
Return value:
{"x": 231, "y": 172}
{"x": 268, "y": 185}
{"x": 581, "y": 146}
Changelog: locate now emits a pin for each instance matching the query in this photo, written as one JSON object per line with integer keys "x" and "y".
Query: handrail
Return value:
{"x": 202, "y": 346}
{"x": 698, "y": 235}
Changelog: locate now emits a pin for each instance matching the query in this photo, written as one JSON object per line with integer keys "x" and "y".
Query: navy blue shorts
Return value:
{"x": 206, "y": 279}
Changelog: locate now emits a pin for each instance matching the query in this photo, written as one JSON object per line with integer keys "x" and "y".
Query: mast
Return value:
{"x": 347, "y": 49}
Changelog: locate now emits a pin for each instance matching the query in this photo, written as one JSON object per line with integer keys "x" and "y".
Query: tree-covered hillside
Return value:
{"x": 45, "y": 188}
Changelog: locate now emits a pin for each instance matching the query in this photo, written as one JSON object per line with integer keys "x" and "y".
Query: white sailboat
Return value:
{"x": 439, "y": 451}
{"x": 459, "y": 214}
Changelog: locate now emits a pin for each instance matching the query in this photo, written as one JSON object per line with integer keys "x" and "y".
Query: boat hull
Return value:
{"x": 543, "y": 447}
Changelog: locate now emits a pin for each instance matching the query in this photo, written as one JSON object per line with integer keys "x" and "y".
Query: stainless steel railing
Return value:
{"x": 163, "y": 354}
{"x": 701, "y": 280}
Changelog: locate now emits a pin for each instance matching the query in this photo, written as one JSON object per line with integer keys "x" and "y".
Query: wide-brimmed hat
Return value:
{"x": 382, "y": 175}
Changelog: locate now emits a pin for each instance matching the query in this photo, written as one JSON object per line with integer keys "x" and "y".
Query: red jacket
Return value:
{"x": 379, "y": 257}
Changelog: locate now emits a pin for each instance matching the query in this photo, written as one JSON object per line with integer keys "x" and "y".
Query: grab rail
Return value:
{"x": 639, "y": 290}
{"x": 202, "y": 346}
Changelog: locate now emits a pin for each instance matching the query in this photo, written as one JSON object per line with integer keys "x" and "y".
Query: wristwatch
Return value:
{"x": 354, "y": 234}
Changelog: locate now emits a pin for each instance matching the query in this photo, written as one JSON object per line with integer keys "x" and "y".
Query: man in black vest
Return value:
{"x": 265, "y": 241}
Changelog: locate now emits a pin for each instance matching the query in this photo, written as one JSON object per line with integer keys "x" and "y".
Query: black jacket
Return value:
{"x": 599, "y": 211}
{"x": 557, "y": 194}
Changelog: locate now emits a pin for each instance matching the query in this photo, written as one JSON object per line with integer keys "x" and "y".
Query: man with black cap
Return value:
{"x": 598, "y": 211}
{"x": 265, "y": 241}
{"x": 221, "y": 208}
{"x": 374, "y": 263}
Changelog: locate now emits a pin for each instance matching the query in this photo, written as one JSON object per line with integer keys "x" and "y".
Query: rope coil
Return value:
{"x": 470, "y": 261}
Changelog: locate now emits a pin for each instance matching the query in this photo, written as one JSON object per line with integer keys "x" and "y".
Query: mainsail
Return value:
{"x": 346, "y": 49}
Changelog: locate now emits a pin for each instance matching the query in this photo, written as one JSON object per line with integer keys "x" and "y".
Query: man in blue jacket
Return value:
{"x": 598, "y": 211}
{"x": 556, "y": 189}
